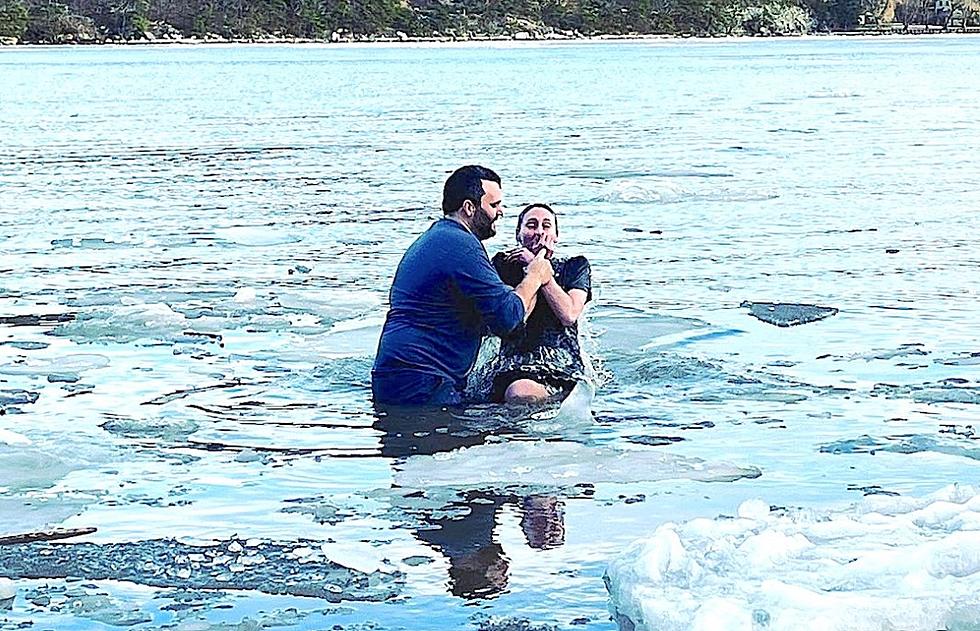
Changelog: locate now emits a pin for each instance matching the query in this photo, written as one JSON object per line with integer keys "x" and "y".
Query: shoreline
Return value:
{"x": 517, "y": 38}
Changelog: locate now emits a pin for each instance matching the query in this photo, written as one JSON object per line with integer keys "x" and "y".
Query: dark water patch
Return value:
{"x": 17, "y": 397}
{"x": 648, "y": 423}
{"x": 76, "y": 389}
{"x": 964, "y": 431}
{"x": 26, "y": 346}
{"x": 47, "y": 319}
{"x": 181, "y": 394}
{"x": 849, "y": 231}
{"x": 786, "y": 130}
{"x": 753, "y": 151}
{"x": 243, "y": 410}
{"x": 654, "y": 440}
{"x": 971, "y": 359}
{"x": 871, "y": 489}
{"x": 296, "y": 568}
{"x": 264, "y": 452}
{"x": 777, "y": 422}
{"x": 787, "y": 314}
{"x": 90, "y": 243}
{"x": 156, "y": 429}
{"x": 63, "y": 377}
{"x": 891, "y": 308}
{"x": 946, "y": 391}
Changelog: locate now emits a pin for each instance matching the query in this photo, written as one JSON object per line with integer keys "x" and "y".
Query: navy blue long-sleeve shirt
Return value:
{"x": 445, "y": 297}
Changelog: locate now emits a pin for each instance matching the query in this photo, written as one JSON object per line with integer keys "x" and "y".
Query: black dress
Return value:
{"x": 545, "y": 350}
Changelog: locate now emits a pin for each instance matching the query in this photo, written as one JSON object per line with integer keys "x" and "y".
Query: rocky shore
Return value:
{"x": 176, "y": 38}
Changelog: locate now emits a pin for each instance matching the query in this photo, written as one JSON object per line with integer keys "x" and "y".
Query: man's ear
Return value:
{"x": 468, "y": 207}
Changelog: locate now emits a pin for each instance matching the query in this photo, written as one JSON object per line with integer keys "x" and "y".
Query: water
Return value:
{"x": 197, "y": 244}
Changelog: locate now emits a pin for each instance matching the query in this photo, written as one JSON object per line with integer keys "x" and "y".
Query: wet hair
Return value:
{"x": 466, "y": 183}
{"x": 530, "y": 207}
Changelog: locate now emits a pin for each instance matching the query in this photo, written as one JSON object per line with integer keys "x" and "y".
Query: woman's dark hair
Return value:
{"x": 529, "y": 207}
{"x": 466, "y": 183}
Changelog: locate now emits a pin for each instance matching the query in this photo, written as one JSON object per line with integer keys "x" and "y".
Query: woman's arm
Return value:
{"x": 567, "y": 306}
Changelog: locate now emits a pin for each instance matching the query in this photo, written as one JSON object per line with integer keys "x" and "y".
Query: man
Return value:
{"x": 446, "y": 296}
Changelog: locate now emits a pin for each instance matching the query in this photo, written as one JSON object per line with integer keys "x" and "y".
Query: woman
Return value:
{"x": 544, "y": 359}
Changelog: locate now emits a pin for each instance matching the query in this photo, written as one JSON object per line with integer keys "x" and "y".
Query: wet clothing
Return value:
{"x": 545, "y": 350}
{"x": 445, "y": 297}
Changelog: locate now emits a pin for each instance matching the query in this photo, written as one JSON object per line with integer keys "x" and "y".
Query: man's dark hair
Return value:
{"x": 466, "y": 183}
{"x": 530, "y": 207}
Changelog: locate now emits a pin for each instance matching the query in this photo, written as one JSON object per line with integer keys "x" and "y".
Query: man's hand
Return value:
{"x": 540, "y": 267}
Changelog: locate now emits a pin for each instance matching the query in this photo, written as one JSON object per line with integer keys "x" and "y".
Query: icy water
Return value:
{"x": 197, "y": 244}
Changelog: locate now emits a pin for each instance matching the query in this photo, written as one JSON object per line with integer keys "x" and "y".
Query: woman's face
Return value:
{"x": 538, "y": 230}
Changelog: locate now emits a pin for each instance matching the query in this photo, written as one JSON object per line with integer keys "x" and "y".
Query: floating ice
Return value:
{"x": 8, "y": 437}
{"x": 56, "y": 366}
{"x": 354, "y": 337}
{"x": 31, "y": 513}
{"x": 245, "y": 295}
{"x": 126, "y": 323}
{"x": 556, "y": 464}
{"x": 786, "y": 314}
{"x": 24, "y": 467}
{"x": 7, "y": 590}
{"x": 887, "y": 563}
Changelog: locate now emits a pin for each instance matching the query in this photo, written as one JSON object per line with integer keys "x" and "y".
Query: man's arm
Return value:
{"x": 501, "y": 307}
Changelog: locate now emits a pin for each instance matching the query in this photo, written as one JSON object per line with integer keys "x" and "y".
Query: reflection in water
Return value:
{"x": 462, "y": 530}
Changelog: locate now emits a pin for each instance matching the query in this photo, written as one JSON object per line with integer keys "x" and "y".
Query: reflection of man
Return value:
{"x": 446, "y": 296}
{"x": 462, "y": 530}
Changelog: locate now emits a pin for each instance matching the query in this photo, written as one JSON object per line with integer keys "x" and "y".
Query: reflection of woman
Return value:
{"x": 545, "y": 359}
{"x": 463, "y": 529}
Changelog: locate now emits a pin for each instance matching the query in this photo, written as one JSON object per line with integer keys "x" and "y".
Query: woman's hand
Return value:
{"x": 520, "y": 255}
{"x": 547, "y": 242}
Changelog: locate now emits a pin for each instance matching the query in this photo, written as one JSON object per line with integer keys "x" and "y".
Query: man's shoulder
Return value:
{"x": 449, "y": 237}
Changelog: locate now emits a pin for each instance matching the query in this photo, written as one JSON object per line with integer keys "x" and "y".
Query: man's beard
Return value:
{"x": 483, "y": 226}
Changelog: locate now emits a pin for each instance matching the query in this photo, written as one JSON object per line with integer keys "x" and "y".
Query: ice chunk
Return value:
{"x": 12, "y": 438}
{"x": 887, "y": 563}
{"x": 753, "y": 509}
{"x": 556, "y": 464}
{"x": 24, "y": 467}
{"x": 7, "y": 589}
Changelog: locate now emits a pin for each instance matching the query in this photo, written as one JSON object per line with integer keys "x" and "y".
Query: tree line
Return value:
{"x": 55, "y": 21}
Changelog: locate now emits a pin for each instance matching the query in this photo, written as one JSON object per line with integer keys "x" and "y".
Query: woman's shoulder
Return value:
{"x": 574, "y": 263}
